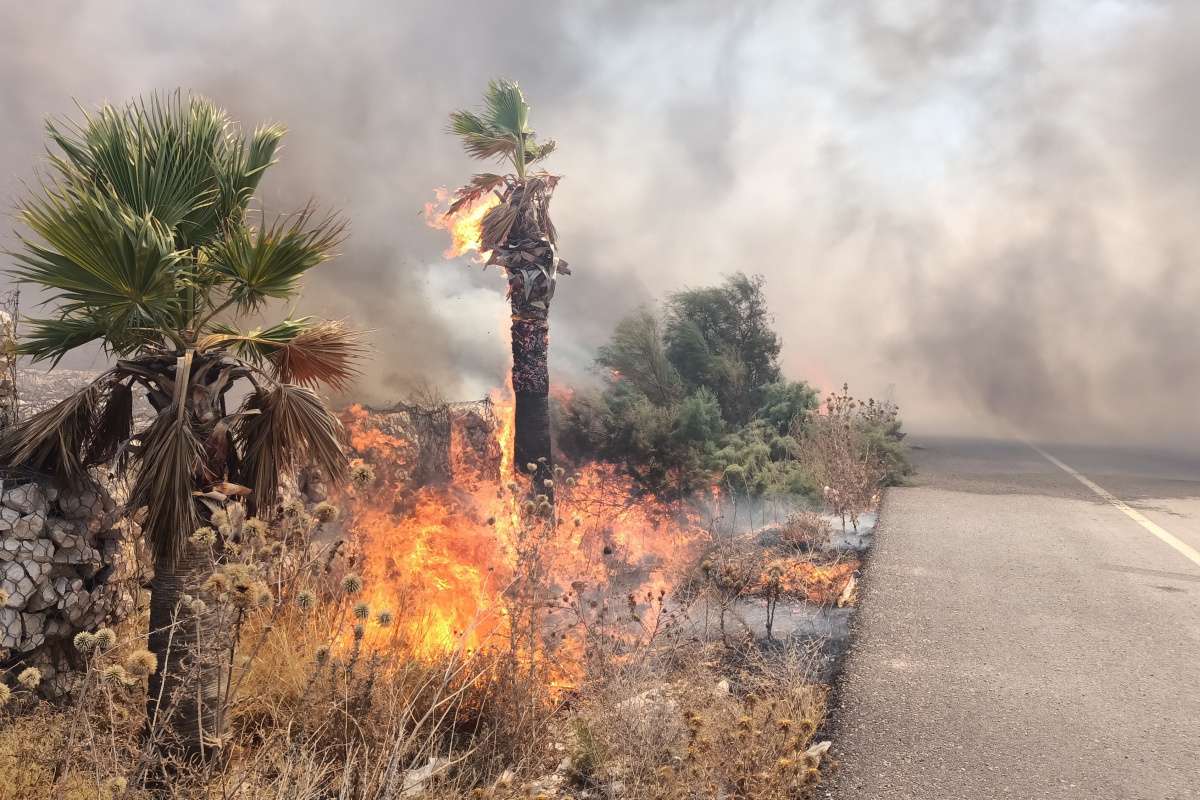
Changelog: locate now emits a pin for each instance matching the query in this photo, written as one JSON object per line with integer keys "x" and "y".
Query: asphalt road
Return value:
{"x": 1021, "y": 637}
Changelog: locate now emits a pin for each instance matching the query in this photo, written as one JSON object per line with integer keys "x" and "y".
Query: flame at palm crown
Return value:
{"x": 465, "y": 226}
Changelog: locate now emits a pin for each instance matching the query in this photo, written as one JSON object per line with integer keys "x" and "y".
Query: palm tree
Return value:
{"x": 521, "y": 239}
{"x": 141, "y": 239}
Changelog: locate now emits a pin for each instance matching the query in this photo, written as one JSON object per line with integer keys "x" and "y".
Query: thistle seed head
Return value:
{"x": 141, "y": 662}
{"x": 30, "y": 677}
{"x": 326, "y": 511}
{"x": 204, "y": 536}
{"x": 105, "y": 638}
{"x": 352, "y": 584}
{"x": 362, "y": 475}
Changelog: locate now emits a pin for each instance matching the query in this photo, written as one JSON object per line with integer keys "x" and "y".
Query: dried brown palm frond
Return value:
{"x": 54, "y": 442}
{"x": 496, "y": 226}
{"x": 113, "y": 425}
{"x": 282, "y": 427}
{"x": 169, "y": 457}
{"x": 468, "y": 195}
{"x": 326, "y": 352}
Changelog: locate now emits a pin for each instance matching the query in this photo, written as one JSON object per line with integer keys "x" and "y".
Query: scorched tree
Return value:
{"x": 520, "y": 238}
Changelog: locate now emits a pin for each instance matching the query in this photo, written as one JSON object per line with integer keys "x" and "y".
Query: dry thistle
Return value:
{"x": 204, "y": 536}
{"x": 531, "y": 467}
{"x": 326, "y": 511}
{"x": 384, "y": 619}
{"x": 115, "y": 674}
{"x": 305, "y": 600}
{"x": 321, "y": 654}
{"x": 255, "y": 527}
{"x": 548, "y": 483}
{"x": 263, "y": 597}
{"x": 352, "y": 584}
{"x": 30, "y": 677}
{"x": 84, "y": 641}
{"x": 5, "y": 694}
{"x": 197, "y": 607}
{"x": 141, "y": 662}
{"x": 105, "y": 638}
{"x": 293, "y": 508}
{"x": 359, "y": 631}
{"x": 362, "y": 611}
{"x": 361, "y": 475}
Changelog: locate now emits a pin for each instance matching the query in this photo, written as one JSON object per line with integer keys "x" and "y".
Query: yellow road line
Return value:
{"x": 1184, "y": 549}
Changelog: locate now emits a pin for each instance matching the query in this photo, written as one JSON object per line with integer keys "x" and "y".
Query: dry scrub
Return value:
{"x": 325, "y": 698}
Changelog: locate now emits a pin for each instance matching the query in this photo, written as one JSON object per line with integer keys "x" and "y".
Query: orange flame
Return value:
{"x": 450, "y": 561}
{"x": 465, "y": 225}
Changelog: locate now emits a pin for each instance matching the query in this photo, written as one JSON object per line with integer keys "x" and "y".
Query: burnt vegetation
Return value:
{"x": 418, "y": 601}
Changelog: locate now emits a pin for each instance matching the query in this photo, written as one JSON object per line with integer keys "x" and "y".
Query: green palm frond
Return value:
{"x": 501, "y": 128}
{"x": 480, "y": 139}
{"x": 283, "y": 427}
{"x": 268, "y": 263}
{"x": 506, "y": 109}
{"x": 51, "y": 339}
{"x": 156, "y": 155}
{"x": 97, "y": 256}
{"x": 256, "y": 344}
{"x": 536, "y": 152}
{"x": 240, "y": 168}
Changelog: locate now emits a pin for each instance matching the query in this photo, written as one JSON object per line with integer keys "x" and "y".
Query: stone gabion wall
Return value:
{"x": 65, "y": 566}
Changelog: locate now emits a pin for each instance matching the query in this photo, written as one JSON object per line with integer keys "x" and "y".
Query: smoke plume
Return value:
{"x": 981, "y": 207}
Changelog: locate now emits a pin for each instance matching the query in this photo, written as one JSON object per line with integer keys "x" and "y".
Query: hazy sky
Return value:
{"x": 986, "y": 206}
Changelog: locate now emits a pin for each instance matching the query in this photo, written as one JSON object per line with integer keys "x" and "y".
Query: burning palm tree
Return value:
{"x": 519, "y": 237}
{"x": 143, "y": 241}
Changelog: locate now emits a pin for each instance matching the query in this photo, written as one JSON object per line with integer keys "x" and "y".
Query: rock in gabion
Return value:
{"x": 65, "y": 566}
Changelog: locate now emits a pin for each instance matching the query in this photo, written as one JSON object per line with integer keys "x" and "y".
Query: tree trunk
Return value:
{"x": 531, "y": 386}
{"x": 183, "y": 704}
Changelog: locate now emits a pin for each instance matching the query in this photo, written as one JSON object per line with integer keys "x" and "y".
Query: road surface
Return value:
{"x": 1021, "y": 636}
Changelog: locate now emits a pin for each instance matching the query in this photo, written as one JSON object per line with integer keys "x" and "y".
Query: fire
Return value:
{"x": 465, "y": 226}
{"x": 456, "y": 562}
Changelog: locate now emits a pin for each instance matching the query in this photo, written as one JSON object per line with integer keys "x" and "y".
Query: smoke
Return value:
{"x": 982, "y": 207}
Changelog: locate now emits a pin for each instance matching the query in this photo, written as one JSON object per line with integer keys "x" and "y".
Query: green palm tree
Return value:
{"x": 141, "y": 239}
{"x": 521, "y": 239}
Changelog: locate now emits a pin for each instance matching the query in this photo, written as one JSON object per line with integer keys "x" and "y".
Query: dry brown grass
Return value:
{"x": 326, "y": 700}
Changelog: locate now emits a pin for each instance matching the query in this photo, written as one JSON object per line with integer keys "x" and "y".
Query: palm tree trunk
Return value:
{"x": 531, "y": 386}
{"x": 183, "y": 704}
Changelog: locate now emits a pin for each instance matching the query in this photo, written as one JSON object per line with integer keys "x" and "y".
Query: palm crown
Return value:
{"x": 141, "y": 241}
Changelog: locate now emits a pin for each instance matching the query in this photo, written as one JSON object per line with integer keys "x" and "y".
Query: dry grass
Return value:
{"x": 327, "y": 700}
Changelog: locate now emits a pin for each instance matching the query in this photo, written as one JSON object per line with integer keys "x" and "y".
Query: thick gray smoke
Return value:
{"x": 986, "y": 205}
